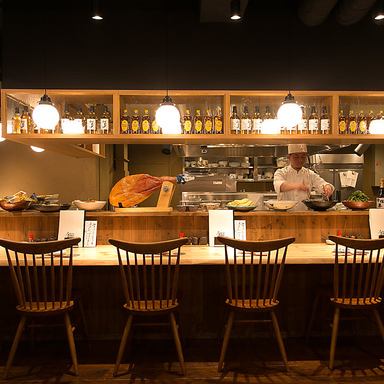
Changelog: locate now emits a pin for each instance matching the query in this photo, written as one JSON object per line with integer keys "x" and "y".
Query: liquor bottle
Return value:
{"x": 208, "y": 122}
{"x": 135, "y": 122}
{"x": 342, "y": 123}
{"x": 124, "y": 122}
{"x": 313, "y": 122}
{"x": 91, "y": 120}
{"x": 245, "y": 122}
{"x": 302, "y": 127}
{"x": 218, "y": 121}
{"x": 24, "y": 121}
{"x": 198, "y": 123}
{"x": 380, "y": 195}
{"x": 146, "y": 122}
{"x": 187, "y": 122}
{"x": 352, "y": 123}
{"x": 256, "y": 121}
{"x": 155, "y": 129}
{"x": 235, "y": 121}
{"x": 16, "y": 121}
{"x": 362, "y": 123}
{"x": 105, "y": 121}
{"x": 79, "y": 121}
{"x": 66, "y": 121}
{"x": 371, "y": 116}
{"x": 324, "y": 121}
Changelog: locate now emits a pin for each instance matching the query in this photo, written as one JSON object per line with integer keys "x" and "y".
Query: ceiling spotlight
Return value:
{"x": 235, "y": 10}
{"x": 96, "y": 15}
{"x": 378, "y": 14}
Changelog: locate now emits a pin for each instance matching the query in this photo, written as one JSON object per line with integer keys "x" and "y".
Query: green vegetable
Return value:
{"x": 358, "y": 196}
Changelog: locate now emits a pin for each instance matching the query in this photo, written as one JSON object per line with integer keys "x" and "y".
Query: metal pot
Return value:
{"x": 319, "y": 205}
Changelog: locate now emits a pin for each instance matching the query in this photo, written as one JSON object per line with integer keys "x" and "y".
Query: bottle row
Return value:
{"x": 258, "y": 123}
{"x": 190, "y": 124}
{"x": 361, "y": 123}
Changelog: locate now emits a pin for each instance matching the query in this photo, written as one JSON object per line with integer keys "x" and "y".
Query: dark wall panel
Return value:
{"x": 61, "y": 47}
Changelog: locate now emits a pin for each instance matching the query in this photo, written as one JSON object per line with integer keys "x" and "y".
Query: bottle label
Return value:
{"x": 256, "y": 125}
{"x": 324, "y": 124}
{"x": 380, "y": 202}
{"x": 124, "y": 126}
{"x": 91, "y": 125}
{"x": 246, "y": 125}
{"x": 352, "y": 126}
{"x": 24, "y": 126}
{"x": 363, "y": 126}
{"x": 104, "y": 125}
{"x": 135, "y": 126}
{"x": 313, "y": 125}
{"x": 302, "y": 125}
{"x": 218, "y": 126}
{"x": 208, "y": 126}
{"x": 198, "y": 126}
{"x": 342, "y": 126}
{"x": 78, "y": 124}
{"x": 235, "y": 125}
{"x": 65, "y": 125}
{"x": 145, "y": 126}
{"x": 187, "y": 126}
{"x": 155, "y": 127}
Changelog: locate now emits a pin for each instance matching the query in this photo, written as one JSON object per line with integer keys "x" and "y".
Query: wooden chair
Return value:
{"x": 41, "y": 275}
{"x": 254, "y": 271}
{"x": 149, "y": 274}
{"x": 357, "y": 281}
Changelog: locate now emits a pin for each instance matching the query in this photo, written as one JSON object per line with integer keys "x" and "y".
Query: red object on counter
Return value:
{"x": 181, "y": 234}
{"x": 339, "y": 233}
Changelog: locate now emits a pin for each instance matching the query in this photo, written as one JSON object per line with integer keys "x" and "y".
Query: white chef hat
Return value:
{"x": 297, "y": 148}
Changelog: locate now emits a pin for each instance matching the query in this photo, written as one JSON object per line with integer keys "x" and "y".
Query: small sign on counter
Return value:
{"x": 220, "y": 224}
{"x": 71, "y": 224}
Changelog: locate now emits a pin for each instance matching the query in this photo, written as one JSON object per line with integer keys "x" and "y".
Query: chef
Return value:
{"x": 295, "y": 182}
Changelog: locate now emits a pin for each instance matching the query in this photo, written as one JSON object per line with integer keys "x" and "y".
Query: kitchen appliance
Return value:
{"x": 329, "y": 167}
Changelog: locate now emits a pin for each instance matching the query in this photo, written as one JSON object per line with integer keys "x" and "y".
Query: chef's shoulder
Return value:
{"x": 283, "y": 171}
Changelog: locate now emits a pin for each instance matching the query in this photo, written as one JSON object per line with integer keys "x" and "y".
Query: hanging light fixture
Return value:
{"x": 167, "y": 115}
{"x": 378, "y": 15}
{"x": 235, "y": 10}
{"x": 289, "y": 113}
{"x": 37, "y": 149}
{"x": 96, "y": 14}
{"x": 45, "y": 114}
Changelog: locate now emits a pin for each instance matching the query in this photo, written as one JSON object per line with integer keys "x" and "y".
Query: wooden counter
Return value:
{"x": 305, "y": 226}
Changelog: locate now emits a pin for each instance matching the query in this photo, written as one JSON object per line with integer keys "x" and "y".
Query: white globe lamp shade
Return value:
{"x": 37, "y": 149}
{"x": 45, "y": 115}
{"x": 289, "y": 112}
{"x": 168, "y": 117}
{"x": 270, "y": 127}
{"x": 376, "y": 127}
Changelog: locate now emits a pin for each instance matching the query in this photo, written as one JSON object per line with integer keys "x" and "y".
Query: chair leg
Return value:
{"x": 335, "y": 327}
{"x": 376, "y": 315}
{"x": 71, "y": 342}
{"x": 177, "y": 342}
{"x": 227, "y": 334}
{"x": 123, "y": 343}
{"x": 279, "y": 338}
{"x": 16, "y": 340}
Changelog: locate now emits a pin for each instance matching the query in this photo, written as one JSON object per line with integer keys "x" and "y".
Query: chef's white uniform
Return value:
{"x": 304, "y": 175}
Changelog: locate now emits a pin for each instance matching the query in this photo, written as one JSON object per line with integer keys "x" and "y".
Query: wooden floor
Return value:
{"x": 249, "y": 361}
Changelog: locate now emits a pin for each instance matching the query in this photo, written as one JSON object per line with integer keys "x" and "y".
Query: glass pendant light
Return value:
{"x": 289, "y": 113}
{"x": 45, "y": 114}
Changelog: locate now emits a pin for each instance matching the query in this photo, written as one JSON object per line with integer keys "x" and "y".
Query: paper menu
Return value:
{"x": 348, "y": 179}
{"x": 376, "y": 222}
{"x": 71, "y": 224}
{"x": 220, "y": 224}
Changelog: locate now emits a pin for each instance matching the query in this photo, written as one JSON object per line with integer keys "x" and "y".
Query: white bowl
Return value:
{"x": 280, "y": 205}
{"x": 91, "y": 205}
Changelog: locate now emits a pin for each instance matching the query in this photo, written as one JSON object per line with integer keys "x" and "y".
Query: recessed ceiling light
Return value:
{"x": 235, "y": 10}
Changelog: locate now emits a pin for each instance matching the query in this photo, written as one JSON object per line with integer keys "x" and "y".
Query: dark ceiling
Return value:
{"x": 309, "y": 44}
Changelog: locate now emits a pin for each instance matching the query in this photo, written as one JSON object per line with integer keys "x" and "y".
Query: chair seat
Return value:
{"x": 249, "y": 305}
{"x": 141, "y": 306}
{"x": 51, "y": 308}
{"x": 357, "y": 303}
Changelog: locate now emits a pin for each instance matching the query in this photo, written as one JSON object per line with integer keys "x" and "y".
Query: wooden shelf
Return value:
{"x": 69, "y": 144}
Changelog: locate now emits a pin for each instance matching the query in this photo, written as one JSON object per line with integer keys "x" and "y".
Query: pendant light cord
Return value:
{"x": 166, "y": 44}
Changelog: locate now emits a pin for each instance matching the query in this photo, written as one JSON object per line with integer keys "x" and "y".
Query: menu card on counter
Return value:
{"x": 220, "y": 224}
{"x": 376, "y": 222}
{"x": 71, "y": 224}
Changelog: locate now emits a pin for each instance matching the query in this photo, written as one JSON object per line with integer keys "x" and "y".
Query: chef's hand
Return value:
{"x": 327, "y": 190}
{"x": 303, "y": 187}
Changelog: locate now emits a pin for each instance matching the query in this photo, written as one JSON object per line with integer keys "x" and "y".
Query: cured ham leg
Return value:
{"x": 134, "y": 189}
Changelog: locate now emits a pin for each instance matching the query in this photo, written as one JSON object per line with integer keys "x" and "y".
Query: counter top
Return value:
{"x": 106, "y": 255}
